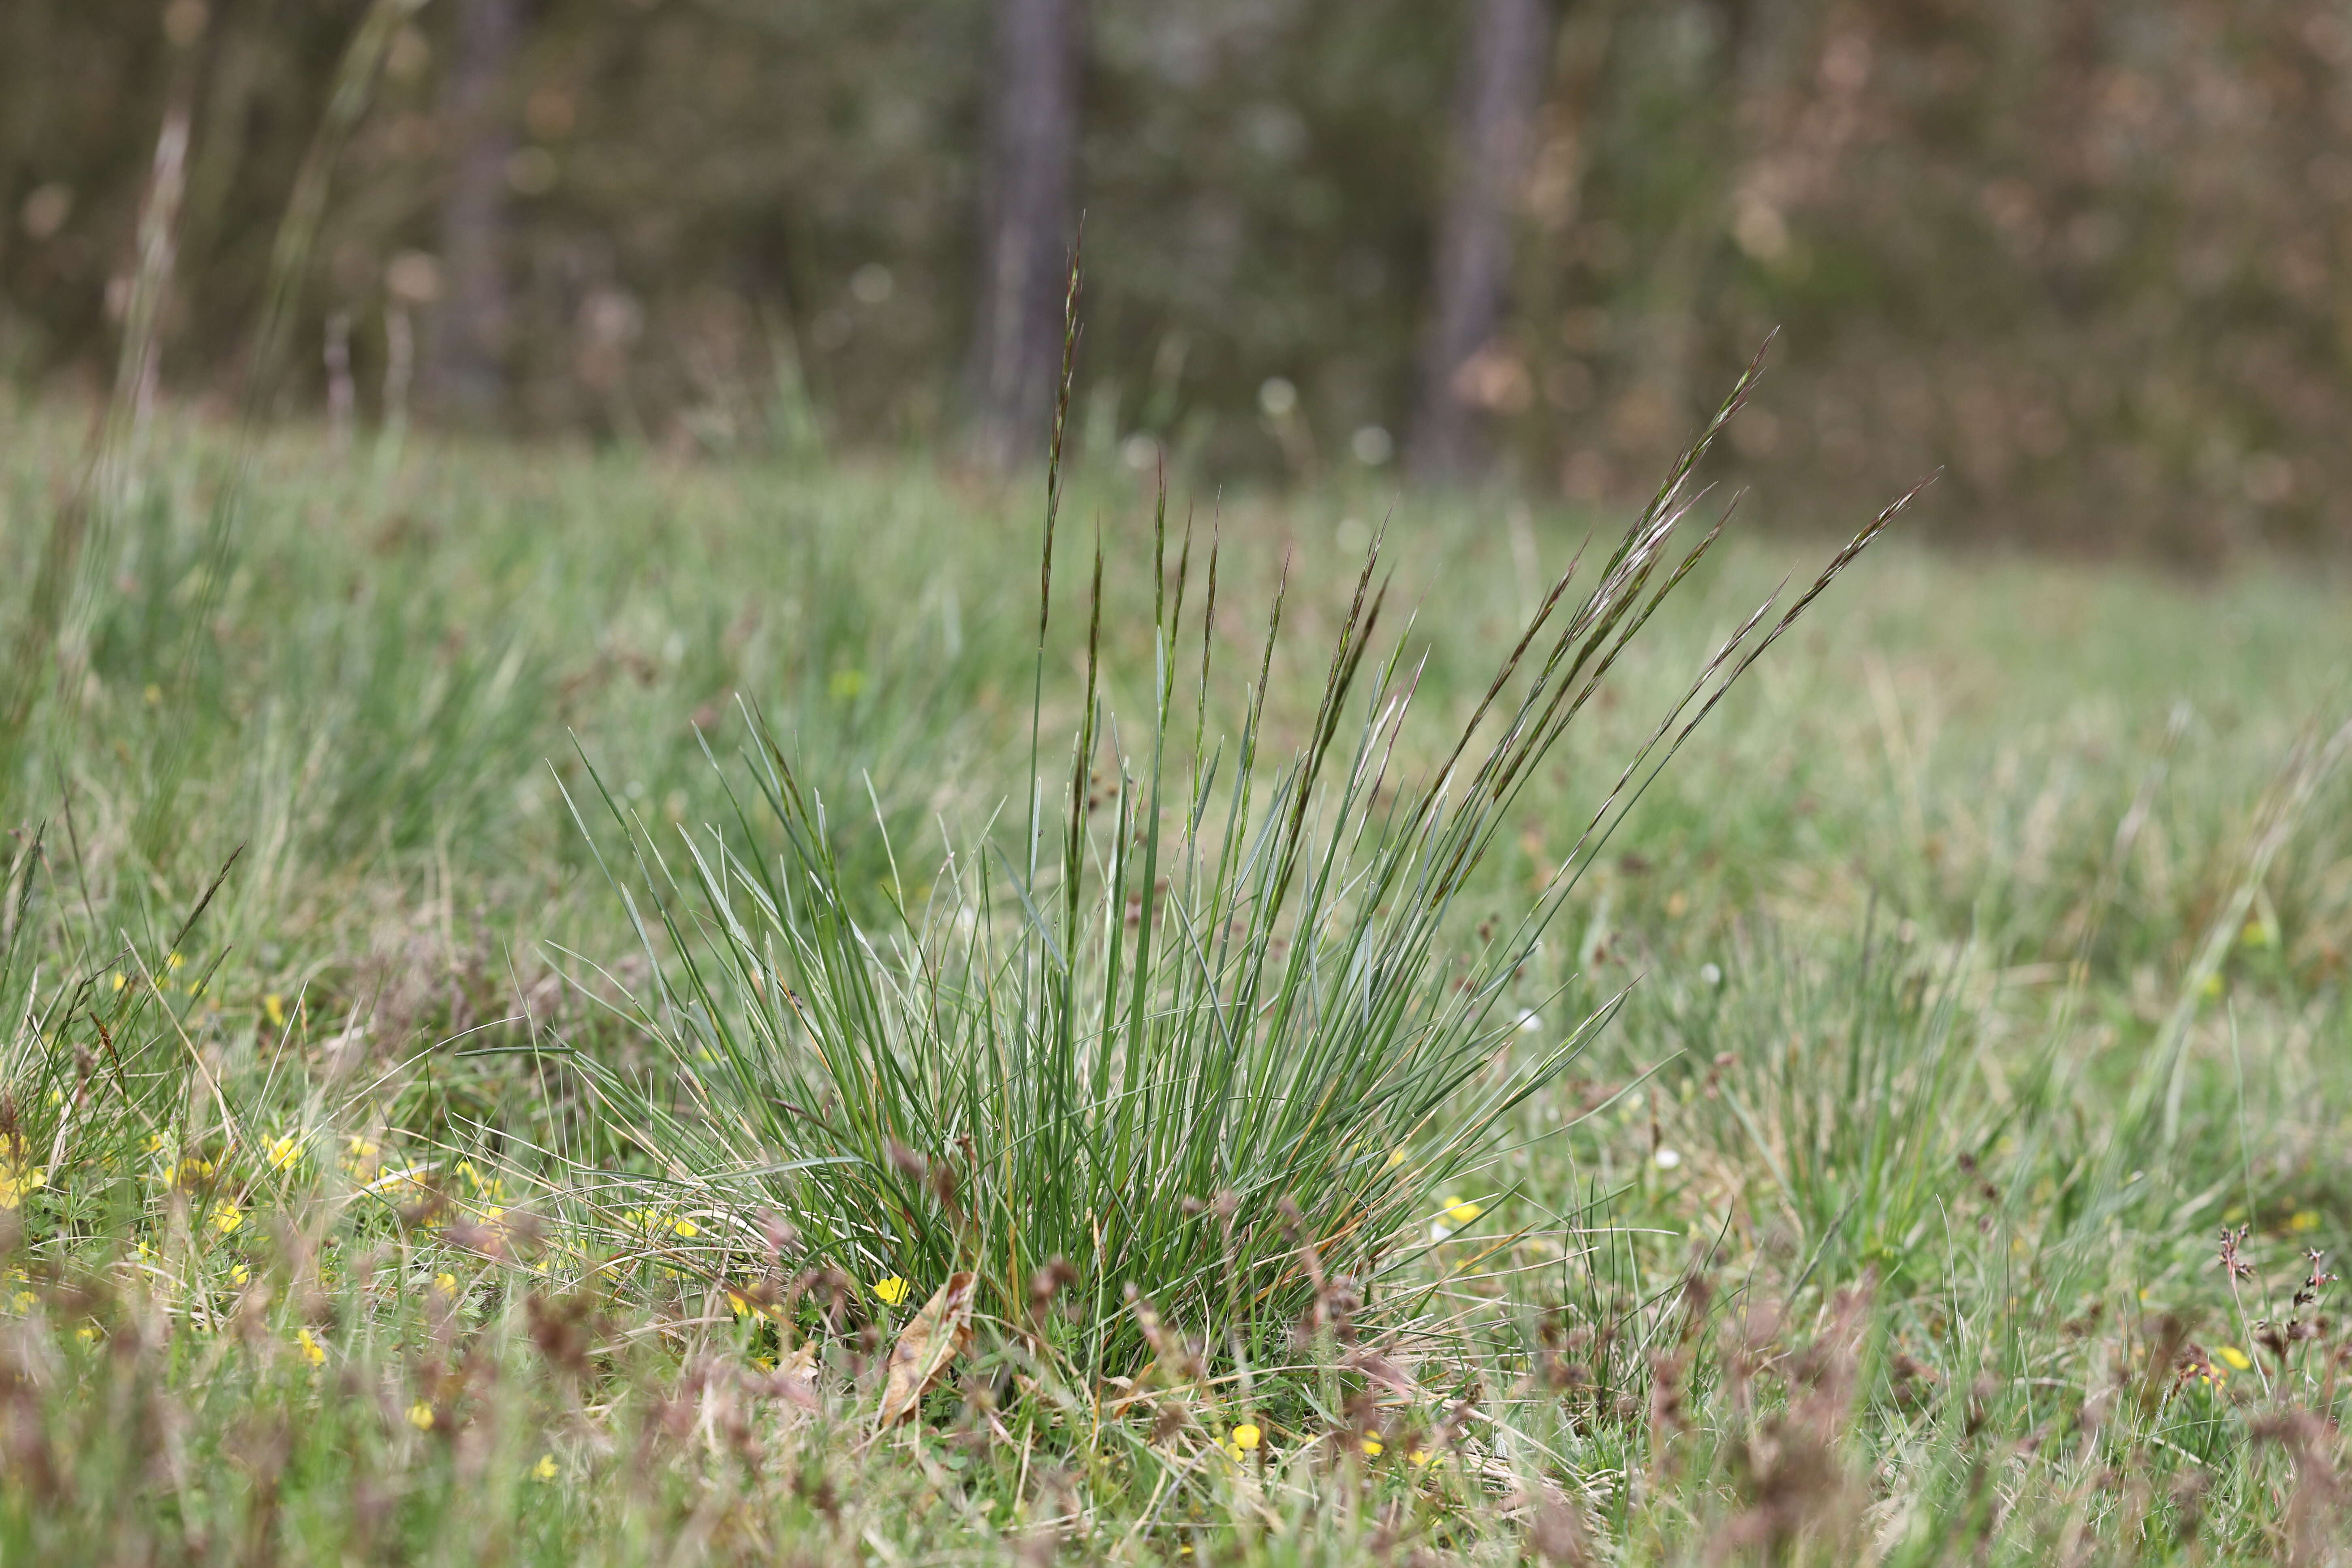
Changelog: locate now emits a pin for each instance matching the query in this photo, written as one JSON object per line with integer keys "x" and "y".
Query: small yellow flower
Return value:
{"x": 312, "y": 1351}
{"x": 1372, "y": 1447}
{"x": 1421, "y": 1458}
{"x": 420, "y": 1415}
{"x": 654, "y": 1223}
{"x": 2212, "y": 985}
{"x": 23, "y": 1300}
{"x": 1397, "y": 1156}
{"x": 87, "y": 1334}
{"x": 2236, "y": 1358}
{"x": 273, "y": 1007}
{"x": 173, "y": 962}
{"x": 744, "y": 1305}
{"x": 18, "y": 1181}
{"x": 1248, "y": 1435}
{"x": 227, "y": 1217}
{"x": 119, "y": 981}
{"x": 892, "y": 1290}
{"x": 1461, "y": 1212}
{"x": 2304, "y": 1219}
{"x": 446, "y": 1282}
{"x": 545, "y": 1470}
{"x": 240, "y": 1275}
{"x": 285, "y": 1150}
{"x": 189, "y": 1174}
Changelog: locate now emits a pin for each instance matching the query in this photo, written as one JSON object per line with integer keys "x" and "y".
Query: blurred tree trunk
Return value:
{"x": 1026, "y": 226}
{"x": 465, "y": 374}
{"x": 1499, "y": 91}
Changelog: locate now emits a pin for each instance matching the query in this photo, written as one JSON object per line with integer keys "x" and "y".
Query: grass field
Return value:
{"x": 469, "y": 1097}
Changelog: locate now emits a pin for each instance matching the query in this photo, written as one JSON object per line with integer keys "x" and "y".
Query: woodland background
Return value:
{"x": 2085, "y": 256}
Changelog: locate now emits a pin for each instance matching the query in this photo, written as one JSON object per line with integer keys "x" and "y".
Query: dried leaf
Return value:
{"x": 794, "y": 1379}
{"x": 920, "y": 1358}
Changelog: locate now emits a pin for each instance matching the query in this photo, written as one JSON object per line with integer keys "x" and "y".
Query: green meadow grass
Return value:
{"x": 504, "y": 1041}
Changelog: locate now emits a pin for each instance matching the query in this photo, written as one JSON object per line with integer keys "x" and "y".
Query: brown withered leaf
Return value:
{"x": 794, "y": 1379}
{"x": 925, "y": 1349}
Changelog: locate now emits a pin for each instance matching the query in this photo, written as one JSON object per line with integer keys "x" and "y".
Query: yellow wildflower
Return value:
{"x": 312, "y": 1351}
{"x": 753, "y": 1301}
{"x": 173, "y": 962}
{"x": 1421, "y": 1458}
{"x": 273, "y": 1007}
{"x": 18, "y": 1180}
{"x": 226, "y": 1217}
{"x": 892, "y": 1290}
{"x": 653, "y": 1222}
{"x": 545, "y": 1470}
{"x": 2236, "y": 1358}
{"x": 285, "y": 1150}
{"x": 1461, "y": 1212}
{"x": 189, "y": 1172}
{"x": 491, "y": 1187}
{"x": 1372, "y": 1447}
{"x": 2304, "y": 1219}
{"x": 1243, "y": 1438}
{"x": 361, "y": 1157}
{"x": 420, "y": 1415}
{"x": 240, "y": 1275}
{"x": 446, "y": 1282}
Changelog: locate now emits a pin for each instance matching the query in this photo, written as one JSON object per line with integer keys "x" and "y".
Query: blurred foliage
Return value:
{"x": 2087, "y": 256}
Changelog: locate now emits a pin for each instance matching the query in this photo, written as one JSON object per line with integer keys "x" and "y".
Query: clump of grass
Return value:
{"x": 1192, "y": 1032}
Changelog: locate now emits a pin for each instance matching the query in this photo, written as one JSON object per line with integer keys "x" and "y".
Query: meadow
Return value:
{"x": 571, "y": 1005}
